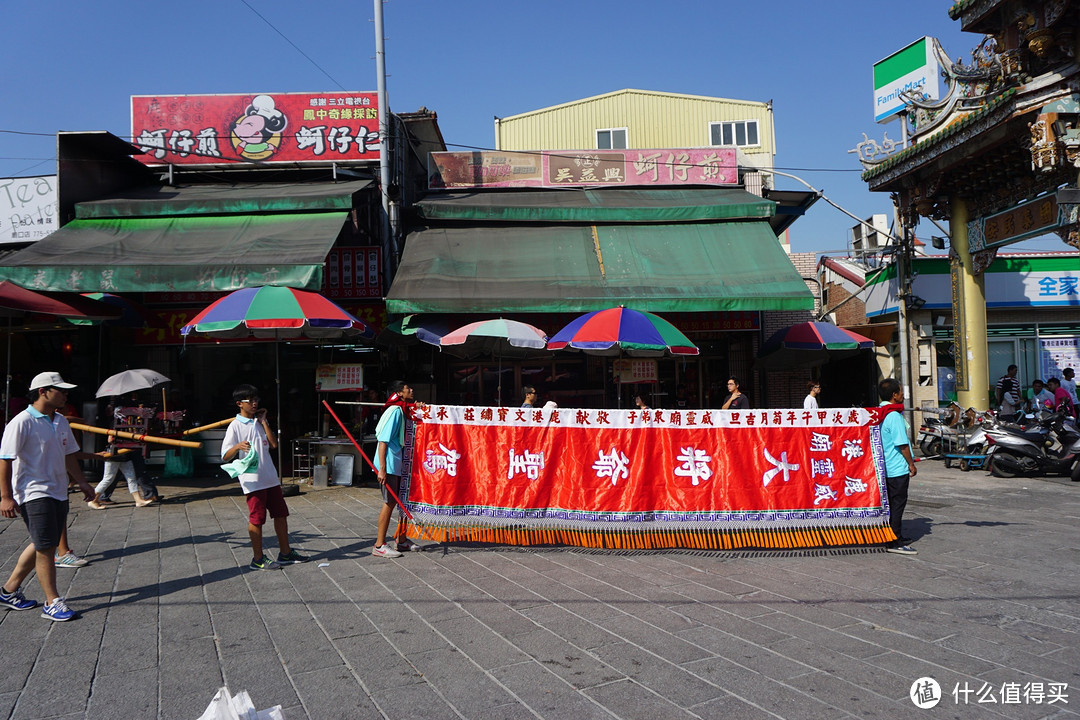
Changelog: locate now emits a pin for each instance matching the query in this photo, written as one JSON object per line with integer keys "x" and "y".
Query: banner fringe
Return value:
{"x": 651, "y": 539}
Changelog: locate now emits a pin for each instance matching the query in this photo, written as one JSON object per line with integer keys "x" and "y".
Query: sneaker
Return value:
{"x": 405, "y": 545}
{"x": 16, "y": 601}
{"x": 139, "y": 502}
{"x": 71, "y": 560}
{"x": 902, "y": 550}
{"x": 385, "y": 551}
{"x": 264, "y": 563}
{"x": 57, "y": 610}
{"x": 291, "y": 559}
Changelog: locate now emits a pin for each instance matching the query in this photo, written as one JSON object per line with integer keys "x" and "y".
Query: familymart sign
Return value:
{"x": 915, "y": 68}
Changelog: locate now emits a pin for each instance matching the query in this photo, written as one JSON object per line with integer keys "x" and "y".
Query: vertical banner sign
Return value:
{"x": 960, "y": 344}
{"x": 652, "y": 478}
{"x": 255, "y": 128}
{"x": 353, "y": 273}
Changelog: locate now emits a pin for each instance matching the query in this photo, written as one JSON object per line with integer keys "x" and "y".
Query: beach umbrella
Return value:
{"x": 498, "y": 337}
{"x": 279, "y": 313}
{"x": 414, "y": 329}
{"x": 809, "y": 344}
{"x": 276, "y": 312}
{"x": 622, "y": 331}
{"x": 131, "y": 313}
{"x": 130, "y": 381}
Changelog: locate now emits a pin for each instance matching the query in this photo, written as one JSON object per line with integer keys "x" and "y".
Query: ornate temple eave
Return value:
{"x": 950, "y": 147}
{"x": 977, "y": 15}
{"x": 973, "y": 134}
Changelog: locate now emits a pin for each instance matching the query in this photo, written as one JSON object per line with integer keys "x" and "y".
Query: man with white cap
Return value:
{"x": 37, "y": 454}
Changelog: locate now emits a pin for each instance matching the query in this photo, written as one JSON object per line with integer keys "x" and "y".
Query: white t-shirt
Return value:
{"x": 249, "y": 429}
{"x": 39, "y": 446}
{"x": 1070, "y": 387}
{"x": 809, "y": 403}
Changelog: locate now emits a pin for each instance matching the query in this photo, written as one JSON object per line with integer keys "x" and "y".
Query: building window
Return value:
{"x": 743, "y": 133}
{"x": 611, "y": 139}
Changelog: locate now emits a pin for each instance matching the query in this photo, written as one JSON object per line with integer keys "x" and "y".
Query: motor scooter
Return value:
{"x": 1050, "y": 447}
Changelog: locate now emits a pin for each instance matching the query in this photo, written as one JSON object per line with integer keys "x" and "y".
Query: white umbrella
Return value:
{"x": 130, "y": 381}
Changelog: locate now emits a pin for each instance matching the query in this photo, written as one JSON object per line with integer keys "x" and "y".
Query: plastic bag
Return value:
{"x": 237, "y": 707}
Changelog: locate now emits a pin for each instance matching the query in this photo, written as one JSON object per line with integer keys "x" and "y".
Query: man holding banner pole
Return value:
{"x": 390, "y": 434}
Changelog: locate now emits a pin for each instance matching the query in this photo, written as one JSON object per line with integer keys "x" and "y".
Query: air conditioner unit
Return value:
{"x": 870, "y": 239}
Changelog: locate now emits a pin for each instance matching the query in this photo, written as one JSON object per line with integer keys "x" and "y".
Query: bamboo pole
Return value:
{"x": 211, "y": 426}
{"x": 133, "y": 436}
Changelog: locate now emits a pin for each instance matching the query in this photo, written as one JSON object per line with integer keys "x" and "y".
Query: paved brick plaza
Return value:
{"x": 170, "y": 613}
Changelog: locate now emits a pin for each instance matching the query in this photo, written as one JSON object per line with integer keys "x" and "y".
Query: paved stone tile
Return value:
{"x": 51, "y": 689}
{"x": 262, "y": 675}
{"x": 376, "y": 663}
{"x": 547, "y": 696}
{"x": 334, "y": 694}
{"x": 465, "y": 686}
{"x": 627, "y": 699}
{"x": 408, "y": 702}
{"x": 131, "y": 694}
{"x": 674, "y": 683}
{"x": 573, "y": 664}
{"x": 478, "y": 643}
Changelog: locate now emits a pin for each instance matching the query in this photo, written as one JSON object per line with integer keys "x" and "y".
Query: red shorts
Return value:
{"x": 266, "y": 499}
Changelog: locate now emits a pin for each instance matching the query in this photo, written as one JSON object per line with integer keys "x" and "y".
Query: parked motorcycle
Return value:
{"x": 1049, "y": 447}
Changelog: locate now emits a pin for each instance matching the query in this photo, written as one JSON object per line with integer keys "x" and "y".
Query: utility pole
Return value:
{"x": 384, "y": 140}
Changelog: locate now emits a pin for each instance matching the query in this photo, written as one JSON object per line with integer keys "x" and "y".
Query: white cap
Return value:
{"x": 49, "y": 379}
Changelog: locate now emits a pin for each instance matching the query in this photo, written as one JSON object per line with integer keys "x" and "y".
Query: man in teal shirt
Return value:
{"x": 899, "y": 464}
{"x": 390, "y": 435}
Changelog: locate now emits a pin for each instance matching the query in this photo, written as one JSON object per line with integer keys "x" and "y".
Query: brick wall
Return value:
{"x": 787, "y": 388}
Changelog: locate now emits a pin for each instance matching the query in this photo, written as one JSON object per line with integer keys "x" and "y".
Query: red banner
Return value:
{"x": 783, "y": 476}
{"x": 255, "y": 127}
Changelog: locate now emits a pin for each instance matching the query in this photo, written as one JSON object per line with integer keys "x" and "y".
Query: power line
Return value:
{"x": 295, "y": 46}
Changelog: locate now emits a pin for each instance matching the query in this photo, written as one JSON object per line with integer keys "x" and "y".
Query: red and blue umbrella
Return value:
{"x": 810, "y": 344}
{"x": 619, "y": 331}
{"x": 276, "y": 312}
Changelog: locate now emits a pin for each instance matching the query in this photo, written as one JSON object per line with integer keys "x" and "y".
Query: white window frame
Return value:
{"x": 626, "y": 137}
{"x": 733, "y": 123}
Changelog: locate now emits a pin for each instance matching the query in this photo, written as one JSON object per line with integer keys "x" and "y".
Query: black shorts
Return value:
{"x": 45, "y": 518}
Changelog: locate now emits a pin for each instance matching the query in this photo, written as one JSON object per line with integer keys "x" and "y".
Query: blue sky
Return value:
{"x": 73, "y": 66}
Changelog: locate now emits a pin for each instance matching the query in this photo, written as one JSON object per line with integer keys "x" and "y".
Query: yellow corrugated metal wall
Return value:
{"x": 652, "y": 120}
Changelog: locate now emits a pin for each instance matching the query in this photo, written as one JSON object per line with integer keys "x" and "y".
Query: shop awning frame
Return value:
{"x": 185, "y": 253}
{"x": 687, "y": 267}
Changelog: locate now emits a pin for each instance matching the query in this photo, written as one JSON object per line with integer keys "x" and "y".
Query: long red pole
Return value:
{"x": 363, "y": 455}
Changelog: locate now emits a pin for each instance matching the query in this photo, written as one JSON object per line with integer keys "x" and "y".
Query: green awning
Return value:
{"x": 171, "y": 201}
{"x": 217, "y": 253}
{"x": 696, "y": 267}
{"x": 607, "y": 205}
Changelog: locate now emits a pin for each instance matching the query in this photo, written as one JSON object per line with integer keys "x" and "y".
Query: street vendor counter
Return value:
{"x": 307, "y": 452}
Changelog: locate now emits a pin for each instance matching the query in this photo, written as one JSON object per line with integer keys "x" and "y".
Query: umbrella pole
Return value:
{"x": 280, "y": 415}
{"x": 7, "y": 382}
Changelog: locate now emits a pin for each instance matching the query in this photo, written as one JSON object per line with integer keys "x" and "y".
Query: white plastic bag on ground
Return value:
{"x": 237, "y": 707}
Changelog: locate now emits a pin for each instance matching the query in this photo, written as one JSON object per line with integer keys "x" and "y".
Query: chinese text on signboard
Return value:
{"x": 260, "y": 128}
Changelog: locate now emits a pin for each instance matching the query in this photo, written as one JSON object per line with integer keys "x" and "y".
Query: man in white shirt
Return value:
{"x": 37, "y": 455}
{"x": 1069, "y": 383}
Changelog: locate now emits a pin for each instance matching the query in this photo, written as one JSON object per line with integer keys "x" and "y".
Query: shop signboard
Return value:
{"x": 1058, "y": 353}
{"x": 584, "y": 168}
{"x": 353, "y": 272}
{"x": 1051, "y": 280}
{"x": 635, "y": 370}
{"x": 255, "y": 128}
{"x": 339, "y": 378}
{"x": 912, "y": 69}
{"x": 27, "y": 208}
